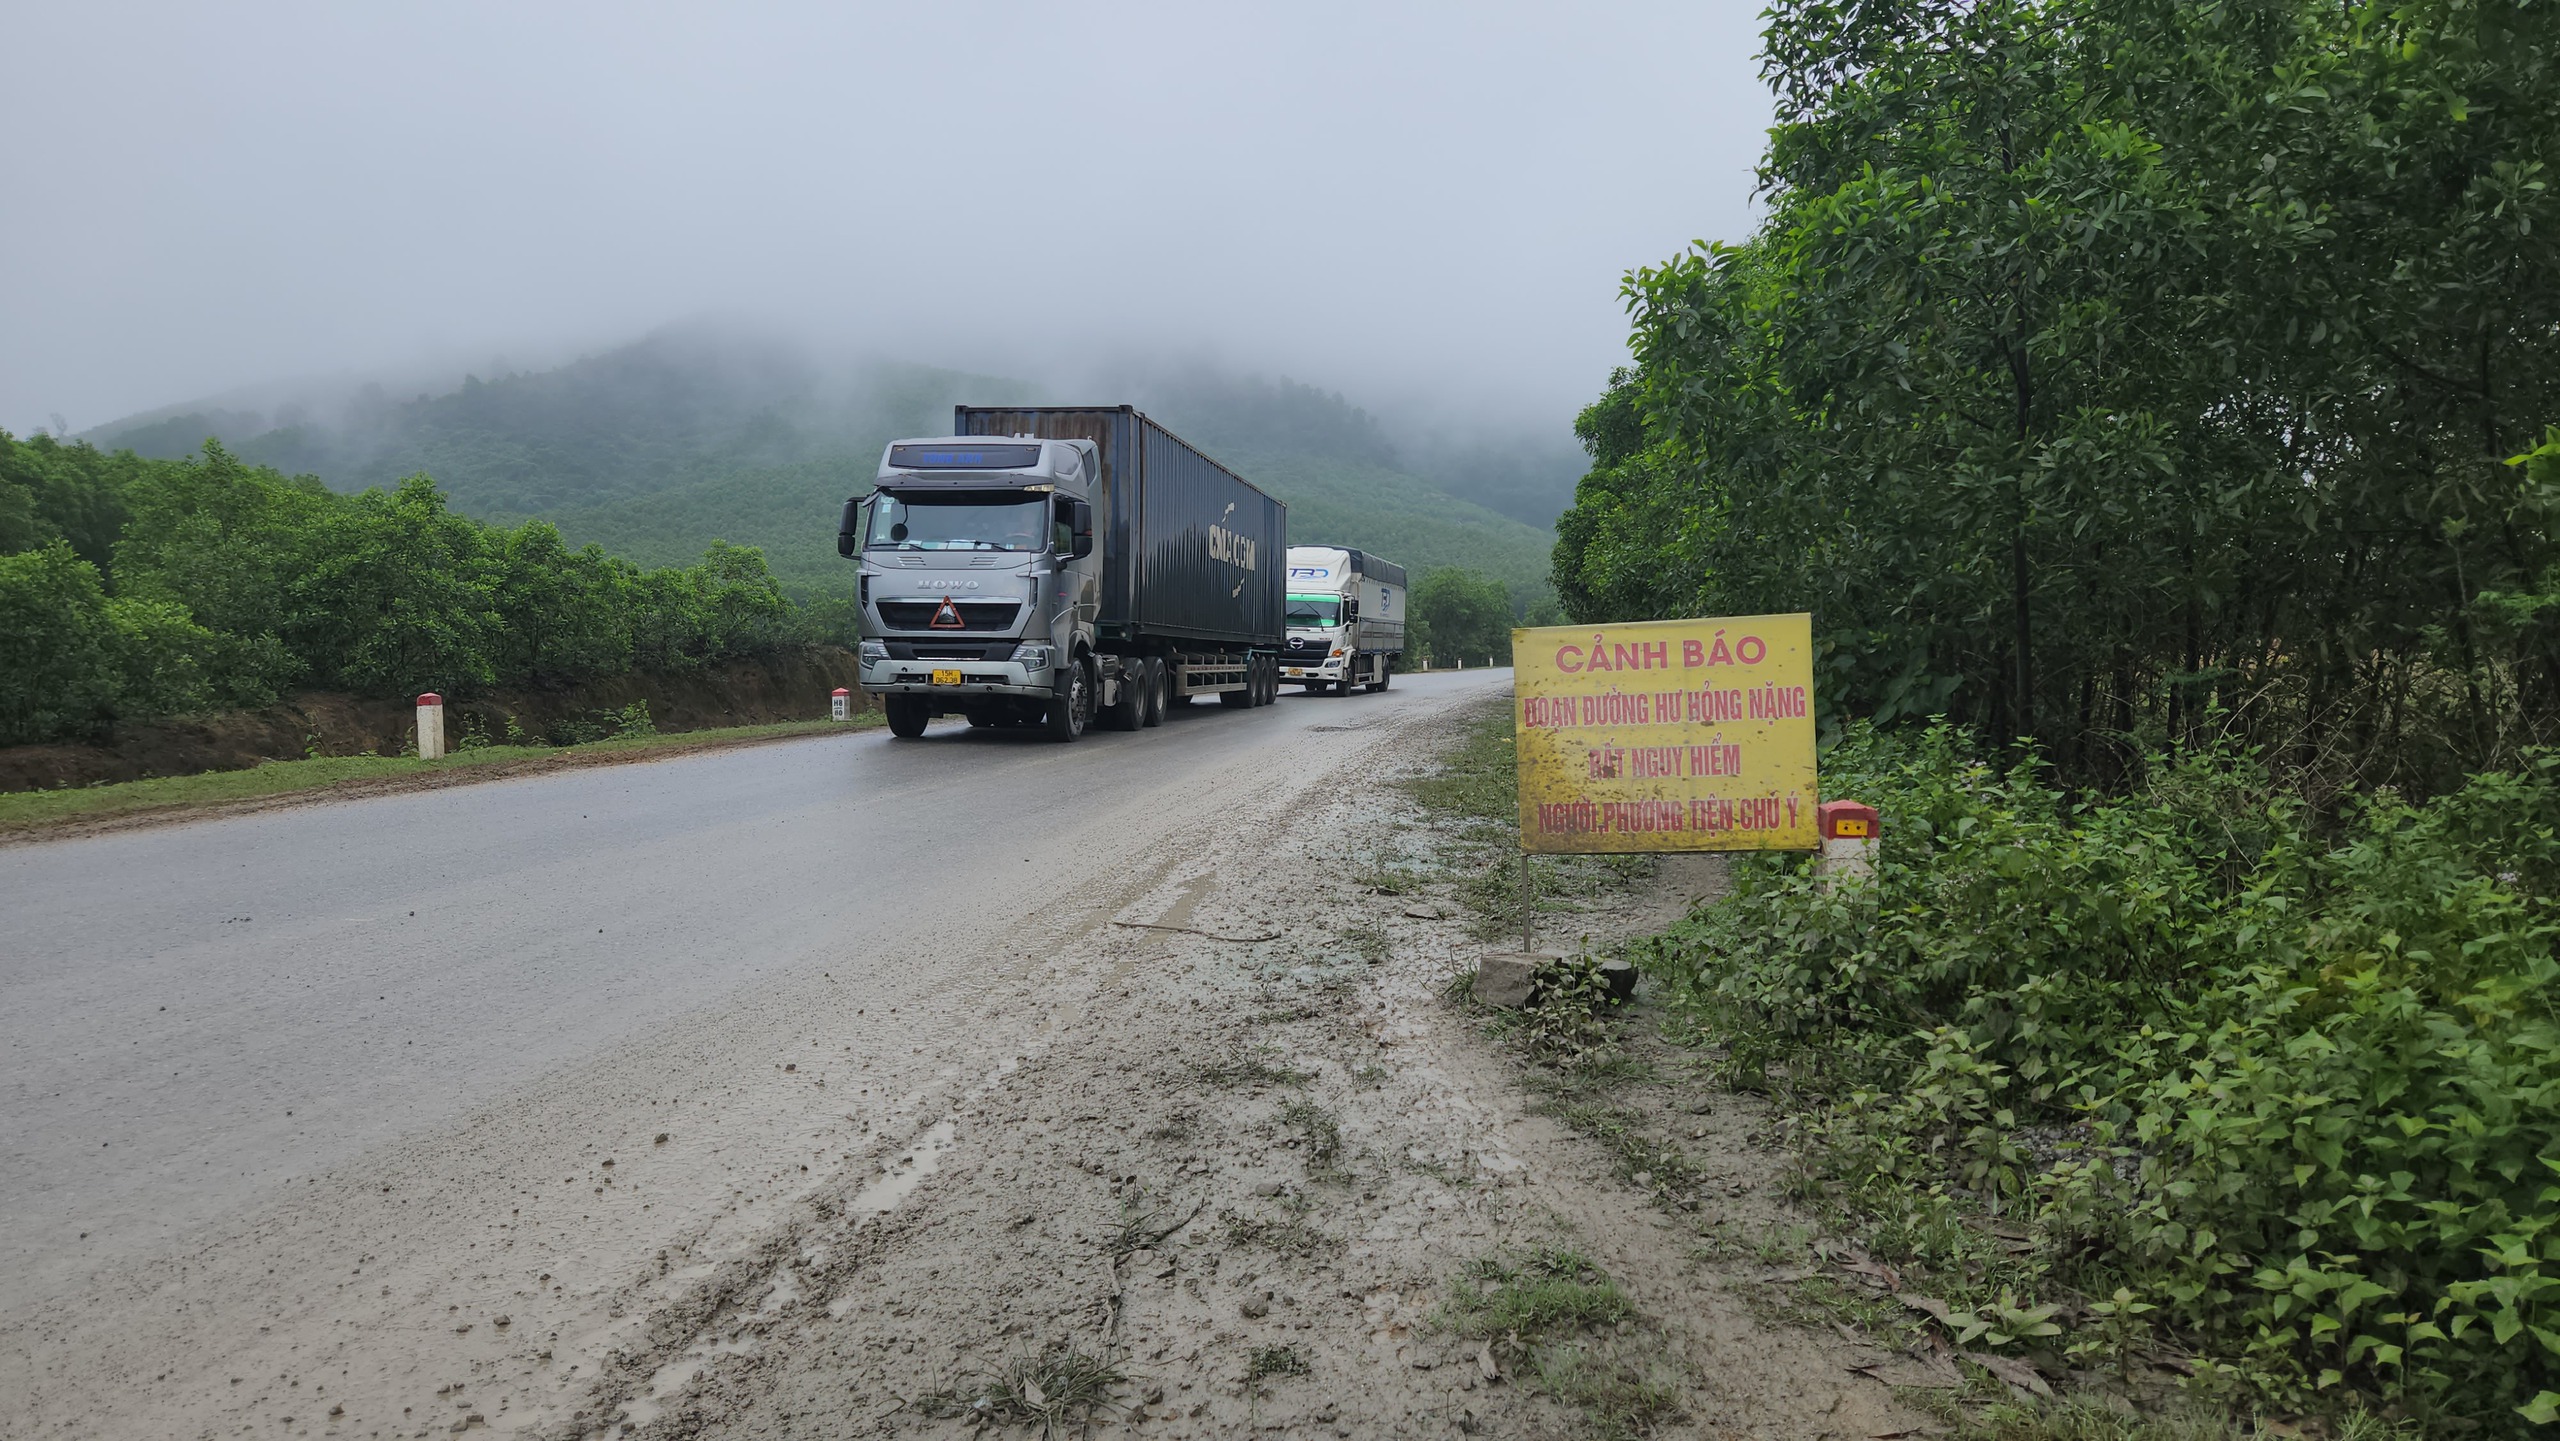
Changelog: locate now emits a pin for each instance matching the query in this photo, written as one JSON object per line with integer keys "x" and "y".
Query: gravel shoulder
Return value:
{"x": 1215, "y": 1126}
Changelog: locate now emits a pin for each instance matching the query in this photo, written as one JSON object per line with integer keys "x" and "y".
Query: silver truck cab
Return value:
{"x": 979, "y": 581}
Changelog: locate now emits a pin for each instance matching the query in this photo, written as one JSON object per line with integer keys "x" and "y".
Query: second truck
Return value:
{"x": 1063, "y": 566}
{"x": 1346, "y": 620}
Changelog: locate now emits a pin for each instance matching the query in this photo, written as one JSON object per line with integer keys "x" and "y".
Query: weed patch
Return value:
{"x": 1618, "y": 1394}
{"x": 1055, "y": 1389}
{"x": 1319, "y": 1127}
{"x": 1529, "y": 1297}
{"x": 1555, "y": 1316}
{"x": 1269, "y": 1361}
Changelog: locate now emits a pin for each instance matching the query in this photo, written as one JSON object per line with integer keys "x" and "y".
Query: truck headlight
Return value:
{"x": 1032, "y": 654}
{"x": 873, "y": 652}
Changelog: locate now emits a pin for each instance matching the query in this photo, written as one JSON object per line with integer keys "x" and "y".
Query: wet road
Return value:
{"x": 199, "y": 1015}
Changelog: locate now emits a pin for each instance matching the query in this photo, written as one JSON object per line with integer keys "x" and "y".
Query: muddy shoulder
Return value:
{"x": 1283, "y": 1176}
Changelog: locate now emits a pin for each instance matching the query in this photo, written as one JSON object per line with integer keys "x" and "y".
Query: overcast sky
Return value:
{"x": 1413, "y": 203}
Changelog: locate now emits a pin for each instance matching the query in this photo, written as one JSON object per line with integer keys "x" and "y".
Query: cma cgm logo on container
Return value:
{"x": 1226, "y": 545}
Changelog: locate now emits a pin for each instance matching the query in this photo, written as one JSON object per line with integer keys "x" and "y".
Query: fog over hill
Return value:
{"x": 697, "y": 432}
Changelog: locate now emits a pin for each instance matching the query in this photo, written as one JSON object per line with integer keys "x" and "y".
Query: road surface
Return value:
{"x": 257, "y": 1063}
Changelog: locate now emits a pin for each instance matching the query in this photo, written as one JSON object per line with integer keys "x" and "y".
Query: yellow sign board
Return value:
{"x": 1666, "y": 735}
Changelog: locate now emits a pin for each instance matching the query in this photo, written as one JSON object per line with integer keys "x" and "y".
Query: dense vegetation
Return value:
{"x": 132, "y": 587}
{"x": 2159, "y": 392}
{"x": 2280, "y": 1094}
{"x": 2109, "y": 370}
{"x": 1460, "y": 617}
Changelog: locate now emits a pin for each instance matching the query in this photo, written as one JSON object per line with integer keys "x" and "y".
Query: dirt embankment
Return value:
{"x": 791, "y": 685}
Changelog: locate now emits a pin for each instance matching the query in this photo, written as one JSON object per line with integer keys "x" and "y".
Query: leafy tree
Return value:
{"x": 2106, "y": 367}
{"x": 50, "y": 490}
{"x": 58, "y": 649}
{"x": 1460, "y": 615}
{"x": 402, "y": 595}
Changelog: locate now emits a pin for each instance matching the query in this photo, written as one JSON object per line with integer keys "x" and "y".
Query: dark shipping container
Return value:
{"x": 1192, "y": 551}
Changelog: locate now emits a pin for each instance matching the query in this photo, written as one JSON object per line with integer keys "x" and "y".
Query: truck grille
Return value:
{"x": 972, "y": 614}
{"x": 948, "y": 650}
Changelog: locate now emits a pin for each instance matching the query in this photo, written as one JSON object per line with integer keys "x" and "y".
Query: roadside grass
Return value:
{"x": 1321, "y": 1131}
{"x": 1269, "y": 1361}
{"x": 33, "y": 810}
{"x": 1565, "y": 1328}
{"x": 1525, "y": 1297}
{"x": 1058, "y": 1389}
{"x": 1476, "y": 792}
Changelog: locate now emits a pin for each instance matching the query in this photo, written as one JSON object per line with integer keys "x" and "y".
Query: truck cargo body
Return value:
{"x": 1061, "y": 565}
{"x": 1346, "y": 619}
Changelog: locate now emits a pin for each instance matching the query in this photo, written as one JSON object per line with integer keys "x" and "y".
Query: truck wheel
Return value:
{"x": 1154, "y": 682}
{"x": 1130, "y": 711}
{"x": 1071, "y": 709}
{"x": 907, "y": 715}
{"x": 1386, "y": 672}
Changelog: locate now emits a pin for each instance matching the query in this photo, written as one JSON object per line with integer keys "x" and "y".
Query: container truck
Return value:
{"x": 1346, "y": 620}
{"x": 1060, "y": 567}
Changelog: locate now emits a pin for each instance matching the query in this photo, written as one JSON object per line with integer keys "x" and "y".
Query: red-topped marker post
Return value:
{"x": 843, "y": 706}
{"x": 1850, "y": 834}
{"x": 430, "y": 726}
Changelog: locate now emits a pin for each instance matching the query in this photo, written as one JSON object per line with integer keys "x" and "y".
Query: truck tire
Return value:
{"x": 1130, "y": 711}
{"x": 1071, "y": 709}
{"x": 1155, "y": 683}
{"x": 907, "y": 715}
{"x": 1386, "y": 673}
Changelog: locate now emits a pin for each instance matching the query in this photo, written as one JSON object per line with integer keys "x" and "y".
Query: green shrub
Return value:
{"x": 2296, "y": 1085}
{"x": 58, "y": 672}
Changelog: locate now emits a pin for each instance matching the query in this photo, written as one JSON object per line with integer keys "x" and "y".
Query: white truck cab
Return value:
{"x": 1345, "y": 611}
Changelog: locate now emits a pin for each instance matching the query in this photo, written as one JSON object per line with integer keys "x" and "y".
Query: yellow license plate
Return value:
{"x": 946, "y": 677}
{"x": 1296, "y": 670}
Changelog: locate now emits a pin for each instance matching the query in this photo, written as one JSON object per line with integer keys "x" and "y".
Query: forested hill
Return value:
{"x": 656, "y": 449}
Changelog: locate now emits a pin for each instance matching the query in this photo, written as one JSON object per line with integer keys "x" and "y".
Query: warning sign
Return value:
{"x": 1666, "y": 735}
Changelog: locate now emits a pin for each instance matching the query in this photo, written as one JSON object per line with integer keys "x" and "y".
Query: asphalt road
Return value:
{"x": 200, "y": 1016}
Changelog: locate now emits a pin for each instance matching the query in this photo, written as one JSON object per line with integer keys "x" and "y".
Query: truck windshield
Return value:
{"x": 1315, "y": 610}
{"x": 966, "y": 520}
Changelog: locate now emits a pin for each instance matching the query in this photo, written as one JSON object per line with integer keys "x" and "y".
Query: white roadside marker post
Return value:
{"x": 1850, "y": 832}
{"x": 430, "y": 726}
{"x": 843, "y": 706}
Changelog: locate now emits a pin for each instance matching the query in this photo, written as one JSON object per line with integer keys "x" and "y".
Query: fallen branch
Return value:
{"x": 1190, "y": 931}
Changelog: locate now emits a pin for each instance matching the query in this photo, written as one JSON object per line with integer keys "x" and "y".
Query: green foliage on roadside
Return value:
{"x": 2296, "y": 1090}
{"x": 1456, "y": 616}
{"x": 222, "y": 583}
{"x": 2106, "y": 371}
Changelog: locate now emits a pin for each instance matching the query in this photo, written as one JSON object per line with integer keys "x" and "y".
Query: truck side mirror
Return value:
{"x": 1351, "y": 612}
{"x": 849, "y": 527}
{"x": 1084, "y": 528}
